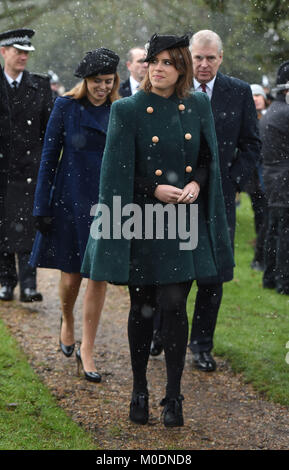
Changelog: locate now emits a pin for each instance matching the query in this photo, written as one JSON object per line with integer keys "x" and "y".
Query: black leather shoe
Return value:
{"x": 204, "y": 361}
{"x": 269, "y": 284}
{"x": 90, "y": 376}
{"x": 282, "y": 290}
{"x": 6, "y": 293}
{"x": 173, "y": 411}
{"x": 30, "y": 295}
{"x": 257, "y": 265}
{"x": 67, "y": 350}
{"x": 139, "y": 408}
{"x": 156, "y": 345}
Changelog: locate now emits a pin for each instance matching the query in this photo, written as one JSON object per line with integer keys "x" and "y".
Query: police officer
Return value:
{"x": 30, "y": 101}
{"x": 5, "y": 140}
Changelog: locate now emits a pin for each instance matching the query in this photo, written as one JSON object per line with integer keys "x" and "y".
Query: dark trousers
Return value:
{"x": 171, "y": 300}
{"x": 207, "y": 304}
{"x": 260, "y": 208}
{"x": 8, "y": 273}
{"x": 276, "y": 273}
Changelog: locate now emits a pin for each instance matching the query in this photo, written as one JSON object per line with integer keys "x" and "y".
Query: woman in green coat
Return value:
{"x": 160, "y": 222}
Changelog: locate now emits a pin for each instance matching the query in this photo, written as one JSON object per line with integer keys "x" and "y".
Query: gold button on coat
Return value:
{"x": 189, "y": 169}
{"x": 188, "y": 136}
{"x": 158, "y": 172}
{"x": 182, "y": 107}
{"x": 155, "y": 139}
{"x": 150, "y": 110}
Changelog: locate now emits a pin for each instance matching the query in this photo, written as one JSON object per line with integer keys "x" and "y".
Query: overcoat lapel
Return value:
{"x": 87, "y": 120}
{"x": 220, "y": 98}
{"x": 24, "y": 95}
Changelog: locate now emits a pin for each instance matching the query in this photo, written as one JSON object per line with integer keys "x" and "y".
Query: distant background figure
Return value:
{"x": 255, "y": 188}
{"x": 274, "y": 129}
{"x": 267, "y": 90}
{"x": 260, "y": 99}
{"x": 30, "y": 102}
{"x": 137, "y": 69}
{"x": 55, "y": 85}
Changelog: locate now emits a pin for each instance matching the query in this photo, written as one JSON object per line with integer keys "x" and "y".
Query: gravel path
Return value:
{"x": 220, "y": 410}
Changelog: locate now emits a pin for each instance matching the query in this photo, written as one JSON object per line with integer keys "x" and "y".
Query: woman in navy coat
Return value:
{"x": 67, "y": 190}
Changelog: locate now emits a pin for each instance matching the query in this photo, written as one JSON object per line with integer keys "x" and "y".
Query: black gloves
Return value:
{"x": 43, "y": 223}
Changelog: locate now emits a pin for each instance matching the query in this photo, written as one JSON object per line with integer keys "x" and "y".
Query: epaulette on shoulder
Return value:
{"x": 40, "y": 75}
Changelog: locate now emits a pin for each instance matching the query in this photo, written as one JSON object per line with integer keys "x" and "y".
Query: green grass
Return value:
{"x": 30, "y": 418}
{"x": 252, "y": 329}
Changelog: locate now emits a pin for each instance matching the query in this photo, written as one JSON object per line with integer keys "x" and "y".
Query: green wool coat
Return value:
{"x": 155, "y": 138}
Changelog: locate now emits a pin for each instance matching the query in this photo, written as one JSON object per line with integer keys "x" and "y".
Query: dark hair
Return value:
{"x": 182, "y": 61}
{"x": 80, "y": 90}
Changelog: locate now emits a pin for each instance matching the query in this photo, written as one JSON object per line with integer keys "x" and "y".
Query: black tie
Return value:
{"x": 14, "y": 85}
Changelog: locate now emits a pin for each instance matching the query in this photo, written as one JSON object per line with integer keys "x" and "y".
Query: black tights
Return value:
{"x": 171, "y": 299}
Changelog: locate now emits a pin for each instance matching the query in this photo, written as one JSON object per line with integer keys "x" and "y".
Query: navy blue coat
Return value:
{"x": 237, "y": 133}
{"x": 67, "y": 187}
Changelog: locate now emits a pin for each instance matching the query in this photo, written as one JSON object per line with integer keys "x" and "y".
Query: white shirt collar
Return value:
{"x": 11, "y": 80}
{"x": 209, "y": 86}
{"x": 133, "y": 85}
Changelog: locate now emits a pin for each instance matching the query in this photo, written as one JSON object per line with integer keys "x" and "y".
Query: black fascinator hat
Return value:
{"x": 159, "y": 43}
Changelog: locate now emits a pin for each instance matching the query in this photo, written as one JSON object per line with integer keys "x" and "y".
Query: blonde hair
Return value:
{"x": 80, "y": 90}
{"x": 182, "y": 61}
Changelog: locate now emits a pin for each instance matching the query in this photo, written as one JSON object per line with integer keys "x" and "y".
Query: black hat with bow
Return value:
{"x": 159, "y": 43}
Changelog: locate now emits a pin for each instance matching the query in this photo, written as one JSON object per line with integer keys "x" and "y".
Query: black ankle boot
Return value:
{"x": 173, "y": 411}
{"x": 139, "y": 408}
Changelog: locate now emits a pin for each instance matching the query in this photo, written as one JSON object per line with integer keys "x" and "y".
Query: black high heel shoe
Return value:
{"x": 90, "y": 376}
{"x": 67, "y": 350}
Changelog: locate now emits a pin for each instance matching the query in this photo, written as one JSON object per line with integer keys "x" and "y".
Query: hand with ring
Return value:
{"x": 190, "y": 193}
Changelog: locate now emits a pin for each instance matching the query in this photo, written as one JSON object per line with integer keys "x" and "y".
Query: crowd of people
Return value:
{"x": 171, "y": 146}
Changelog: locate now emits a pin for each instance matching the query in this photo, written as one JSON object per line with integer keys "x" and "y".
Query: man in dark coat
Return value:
{"x": 239, "y": 149}
{"x": 274, "y": 132}
{"x": 137, "y": 70}
{"x": 5, "y": 141}
{"x": 30, "y": 101}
